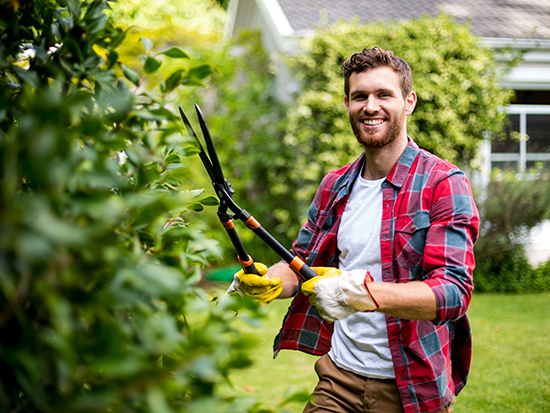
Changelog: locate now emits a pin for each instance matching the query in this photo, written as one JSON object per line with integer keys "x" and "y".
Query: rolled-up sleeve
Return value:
{"x": 449, "y": 253}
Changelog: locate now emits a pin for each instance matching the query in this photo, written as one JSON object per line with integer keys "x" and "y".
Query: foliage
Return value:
{"x": 223, "y": 3}
{"x": 195, "y": 26}
{"x": 455, "y": 79}
{"x": 100, "y": 250}
{"x": 187, "y": 23}
{"x": 513, "y": 205}
{"x": 541, "y": 277}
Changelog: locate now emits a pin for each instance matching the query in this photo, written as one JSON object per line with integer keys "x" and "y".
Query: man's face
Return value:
{"x": 376, "y": 107}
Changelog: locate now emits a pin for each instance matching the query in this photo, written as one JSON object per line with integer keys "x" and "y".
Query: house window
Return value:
{"x": 527, "y": 142}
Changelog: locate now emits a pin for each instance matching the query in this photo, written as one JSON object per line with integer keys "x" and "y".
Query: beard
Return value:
{"x": 369, "y": 139}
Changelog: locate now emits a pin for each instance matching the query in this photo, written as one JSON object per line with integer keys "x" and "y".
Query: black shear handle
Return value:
{"x": 246, "y": 261}
{"x": 295, "y": 263}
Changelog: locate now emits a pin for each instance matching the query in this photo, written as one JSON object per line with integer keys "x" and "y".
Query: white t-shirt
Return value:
{"x": 360, "y": 341}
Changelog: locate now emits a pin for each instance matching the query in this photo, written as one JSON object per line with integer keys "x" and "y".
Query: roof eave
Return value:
{"x": 524, "y": 44}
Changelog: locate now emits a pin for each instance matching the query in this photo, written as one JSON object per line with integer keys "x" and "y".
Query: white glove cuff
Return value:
{"x": 355, "y": 292}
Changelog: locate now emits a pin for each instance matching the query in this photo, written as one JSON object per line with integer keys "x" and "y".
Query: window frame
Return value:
{"x": 522, "y": 157}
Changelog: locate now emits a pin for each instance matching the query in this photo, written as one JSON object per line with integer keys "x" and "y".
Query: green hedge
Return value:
{"x": 513, "y": 205}
{"x": 100, "y": 247}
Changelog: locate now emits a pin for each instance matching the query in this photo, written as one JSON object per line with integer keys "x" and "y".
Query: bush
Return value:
{"x": 541, "y": 278}
{"x": 504, "y": 272}
{"x": 513, "y": 205}
{"x": 100, "y": 249}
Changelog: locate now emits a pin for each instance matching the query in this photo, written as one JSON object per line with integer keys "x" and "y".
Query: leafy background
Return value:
{"x": 101, "y": 251}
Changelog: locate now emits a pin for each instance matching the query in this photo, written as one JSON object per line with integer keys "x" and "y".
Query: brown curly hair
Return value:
{"x": 376, "y": 57}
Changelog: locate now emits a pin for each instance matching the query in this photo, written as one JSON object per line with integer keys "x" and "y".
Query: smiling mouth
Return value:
{"x": 372, "y": 122}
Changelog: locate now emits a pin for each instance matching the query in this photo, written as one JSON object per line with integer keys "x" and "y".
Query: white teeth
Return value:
{"x": 373, "y": 122}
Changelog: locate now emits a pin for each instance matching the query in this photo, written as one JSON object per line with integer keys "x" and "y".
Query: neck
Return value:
{"x": 380, "y": 161}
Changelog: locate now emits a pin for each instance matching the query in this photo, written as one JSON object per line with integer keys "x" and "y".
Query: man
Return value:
{"x": 391, "y": 238}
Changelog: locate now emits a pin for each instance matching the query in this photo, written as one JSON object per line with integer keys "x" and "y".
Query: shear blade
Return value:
{"x": 216, "y": 166}
{"x": 202, "y": 154}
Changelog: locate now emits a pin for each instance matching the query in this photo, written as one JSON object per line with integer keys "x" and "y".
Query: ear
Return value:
{"x": 346, "y": 102}
{"x": 410, "y": 103}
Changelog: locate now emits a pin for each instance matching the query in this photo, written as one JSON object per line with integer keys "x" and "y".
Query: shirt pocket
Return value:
{"x": 410, "y": 239}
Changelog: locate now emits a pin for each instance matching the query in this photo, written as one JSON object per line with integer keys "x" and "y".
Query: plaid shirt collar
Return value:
{"x": 396, "y": 176}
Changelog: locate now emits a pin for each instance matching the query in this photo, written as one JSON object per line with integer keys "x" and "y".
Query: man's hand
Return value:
{"x": 341, "y": 294}
{"x": 323, "y": 273}
{"x": 259, "y": 287}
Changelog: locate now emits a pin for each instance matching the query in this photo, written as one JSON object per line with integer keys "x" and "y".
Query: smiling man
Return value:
{"x": 391, "y": 238}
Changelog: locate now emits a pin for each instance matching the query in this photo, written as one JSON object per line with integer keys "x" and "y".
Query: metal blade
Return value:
{"x": 204, "y": 158}
{"x": 210, "y": 146}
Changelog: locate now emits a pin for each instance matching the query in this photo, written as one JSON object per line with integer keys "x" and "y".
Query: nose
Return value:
{"x": 371, "y": 105}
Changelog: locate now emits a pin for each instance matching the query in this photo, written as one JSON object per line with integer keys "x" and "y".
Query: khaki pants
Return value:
{"x": 341, "y": 391}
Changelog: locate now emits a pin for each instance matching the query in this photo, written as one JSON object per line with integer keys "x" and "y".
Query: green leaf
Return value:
{"x": 195, "y": 206}
{"x": 117, "y": 39}
{"x": 92, "y": 62}
{"x": 174, "y": 52}
{"x": 150, "y": 115}
{"x": 28, "y": 76}
{"x": 112, "y": 58}
{"x": 151, "y": 65}
{"x": 173, "y": 158}
{"x": 209, "y": 201}
{"x": 173, "y": 80}
{"x": 197, "y": 74}
{"x": 95, "y": 25}
{"x": 74, "y": 7}
{"x": 164, "y": 113}
{"x": 107, "y": 80}
{"x": 147, "y": 44}
{"x": 201, "y": 72}
{"x": 190, "y": 151}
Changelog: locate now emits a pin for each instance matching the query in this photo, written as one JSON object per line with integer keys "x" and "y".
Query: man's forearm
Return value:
{"x": 411, "y": 301}
{"x": 289, "y": 278}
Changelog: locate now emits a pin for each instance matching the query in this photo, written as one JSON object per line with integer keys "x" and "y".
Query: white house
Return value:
{"x": 517, "y": 24}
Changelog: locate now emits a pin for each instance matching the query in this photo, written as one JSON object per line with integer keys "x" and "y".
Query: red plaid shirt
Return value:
{"x": 429, "y": 226}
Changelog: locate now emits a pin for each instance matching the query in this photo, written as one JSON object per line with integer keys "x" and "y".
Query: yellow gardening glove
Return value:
{"x": 308, "y": 287}
{"x": 259, "y": 287}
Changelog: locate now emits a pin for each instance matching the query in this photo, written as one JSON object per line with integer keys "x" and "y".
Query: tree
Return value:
{"x": 100, "y": 251}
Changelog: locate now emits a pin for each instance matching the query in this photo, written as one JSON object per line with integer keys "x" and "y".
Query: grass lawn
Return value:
{"x": 510, "y": 367}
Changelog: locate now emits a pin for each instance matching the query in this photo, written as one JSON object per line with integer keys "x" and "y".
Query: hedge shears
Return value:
{"x": 224, "y": 192}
